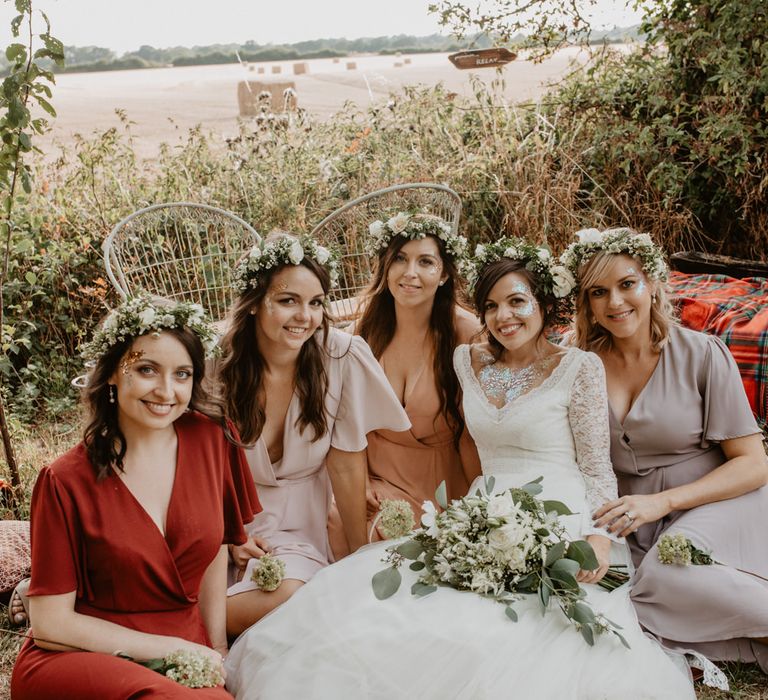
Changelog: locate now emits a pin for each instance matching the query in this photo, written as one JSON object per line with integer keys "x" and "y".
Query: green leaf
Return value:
{"x": 582, "y": 613}
{"x": 564, "y": 566}
{"x": 417, "y": 565}
{"x": 422, "y": 589}
{"x": 31, "y": 277}
{"x": 511, "y": 614}
{"x": 581, "y": 551}
{"x": 16, "y": 52}
{"x": 623, "y": 641}
{"x": 490, "y": 482}
{"x": 557, "y": 506}
{"x": 47, "y": 106}
{"x": 554, "y": 553}
{"x": 410, "y": 549}
{"x": 534, "y": 488}
{"x": 386, "y": 583}
{"x": 544, "y": 593}
{"x": 441, "y": 495}
{"x": 588, "y": 634}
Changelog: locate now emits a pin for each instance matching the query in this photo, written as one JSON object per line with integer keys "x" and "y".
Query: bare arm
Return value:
{"x": 59, "y": 628}
{"x": 347, "y": 471}
{"x": 213, "y": 601}
{"x": 745, "y": 469}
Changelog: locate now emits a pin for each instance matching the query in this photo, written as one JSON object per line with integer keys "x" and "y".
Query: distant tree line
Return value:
{"x": 95, "y": 58}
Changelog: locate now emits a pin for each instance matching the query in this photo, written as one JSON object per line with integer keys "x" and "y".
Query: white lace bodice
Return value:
{"x": 558, "y": 430}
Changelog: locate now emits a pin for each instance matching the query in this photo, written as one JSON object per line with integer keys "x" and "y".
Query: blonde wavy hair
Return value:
{"x": 589, "y": 335}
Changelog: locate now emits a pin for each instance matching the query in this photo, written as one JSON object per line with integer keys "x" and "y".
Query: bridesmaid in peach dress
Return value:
{"x": 413, "y": 323}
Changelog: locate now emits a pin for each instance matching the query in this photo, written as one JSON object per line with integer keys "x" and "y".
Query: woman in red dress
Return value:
{"x": 130, "y": 527}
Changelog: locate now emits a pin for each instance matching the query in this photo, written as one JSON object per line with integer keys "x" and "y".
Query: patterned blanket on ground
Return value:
{"x": 735, "y": 310}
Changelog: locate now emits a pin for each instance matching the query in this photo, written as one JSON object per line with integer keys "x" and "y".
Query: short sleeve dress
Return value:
{"x": 94, "y": 538}
{"x": 295, "y": 491}
{"x": 670, "y": 437}
{"x": 409, "y": 465}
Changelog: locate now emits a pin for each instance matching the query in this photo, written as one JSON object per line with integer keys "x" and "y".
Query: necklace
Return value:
{"x": 504, "y": 384}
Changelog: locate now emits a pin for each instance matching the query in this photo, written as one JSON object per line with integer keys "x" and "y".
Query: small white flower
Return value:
{"x": 429, "y": 517}
{"x": 146, "y": 317}
{"x": 376, "y": 228}
{"x": 111, "y": 321}
{"x": 589, "y": 235}
{"x": 296, "y": 253}
{"x": 563, "y": 281}
{"x": 510, "y": 252}
{"x": 644, "y": 239}
{"x": 544, "y": 254}
{"x": 322, "y": 255}
{"x": 399, "y": 222}
{"x": 479, "y": 250}
{"x": 255, "y": 253}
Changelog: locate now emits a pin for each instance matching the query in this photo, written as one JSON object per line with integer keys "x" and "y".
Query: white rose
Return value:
{"x": 501, "y": 506}
{"x": 516, "y": 560}
{"x": 322, "y": 255}
{"x": 563, "y": 281}
{"x": 111, "y": 321}
{"x": 643, "y": 239}
{"x": 543, "y": 254}
{"x": 399, "y": 222}
{"x": 376, "y": 228}
{"x": 146, "y": 317}
{"x": 479, "y": 250}
{"x": 510, "y": 252}
{"x": 506, "y": 539}
{"x": 296, "y": 253}
{"x": 428, "y": 518}
{"x": 255, "y": 253}
{"x": 589, "y": 235}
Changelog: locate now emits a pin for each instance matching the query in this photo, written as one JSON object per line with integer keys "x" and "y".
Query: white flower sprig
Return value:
{"x": 141, "y": 315}
{"x": 615, "y": 241}
{"x": 554, "y": 279}
{"x": 284, "y": 250}
{"x": 269, "y": 573}
{"x": 678, "y": 549}
{"x": 414, "y": 227}
{"x": 188, "y": 668}
{"x": 395, "y": 518}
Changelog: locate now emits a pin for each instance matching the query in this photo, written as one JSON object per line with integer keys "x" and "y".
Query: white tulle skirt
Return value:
{"x": 334, "y": 640}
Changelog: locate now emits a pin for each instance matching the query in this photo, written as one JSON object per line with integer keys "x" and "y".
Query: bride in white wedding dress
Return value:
{"x": 534, "y": 410}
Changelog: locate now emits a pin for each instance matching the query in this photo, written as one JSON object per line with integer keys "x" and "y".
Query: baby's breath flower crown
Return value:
{"x": 141, "y": 315}
{"x": 414, "y": 227}
{"x": 615, "y": 241}
{"x": 553, "y": 279}
{"x": 283, "y": 250}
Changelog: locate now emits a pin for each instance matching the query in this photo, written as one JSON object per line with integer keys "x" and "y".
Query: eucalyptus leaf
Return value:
{"x": 511, "y": 614}
{"x": 441, "y": 495}
{"x": 386, "y": 583}
{"x": 555, "y": 552}
{"x": 422, "y": 589}
{"x": 581, "y": 551}
{"x": 410, "y": 549}
{"x": 582, "y": 613}
{"x": 417, "y": 565}
{"x": 621, "y": 637}
{"x": 534, "y": 488}
{"x": 564, "y": 566}
{"x": 588, "y": 634}
{"x": 558, "y": 506}
{"x": 490, "y": 482}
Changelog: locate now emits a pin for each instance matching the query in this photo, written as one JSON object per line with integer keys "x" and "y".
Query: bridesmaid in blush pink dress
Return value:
{"x": 413, "y": 322}
{"x": 303, "y": 397}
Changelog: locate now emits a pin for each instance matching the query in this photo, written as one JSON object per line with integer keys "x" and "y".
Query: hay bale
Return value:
{"x": 351, "y": 65}
{"x": 398, "y": 64}
{"x": 406, "y": 61}
{"x": 277, "y": 69}
{"x": 254, "y": 97}
{"x": 300, "y": 68}
{"x": 251, "y": 68}
{"x": 260, "y": 70}
{"x": 336, "y": 59}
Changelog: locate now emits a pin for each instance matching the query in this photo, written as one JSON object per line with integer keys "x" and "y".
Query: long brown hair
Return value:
{"x": 241, "y": 373}
{"x": 378, "y": 321}
{"x": 488, "y": 278}
{"x": 104, "y": 441}
{"x": 590, "y": 335}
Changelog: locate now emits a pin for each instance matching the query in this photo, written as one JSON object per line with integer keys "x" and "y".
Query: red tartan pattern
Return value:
{"x": 735, "y": 310}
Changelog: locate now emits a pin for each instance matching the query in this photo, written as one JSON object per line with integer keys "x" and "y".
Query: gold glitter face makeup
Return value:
{"x": 130, "y": 360}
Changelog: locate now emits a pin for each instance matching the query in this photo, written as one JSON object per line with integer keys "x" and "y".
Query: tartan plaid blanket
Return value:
{"x": 735, "y": 310}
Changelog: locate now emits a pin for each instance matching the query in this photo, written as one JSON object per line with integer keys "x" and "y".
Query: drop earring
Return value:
{"x": 111, "y": 393}
{"x": 441, "y": 283}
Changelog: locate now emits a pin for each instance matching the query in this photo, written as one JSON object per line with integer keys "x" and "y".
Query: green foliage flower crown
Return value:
{"x": 283, "y": 250}
{"x": 414, "y": 227}
{"x": 143, "y": 314}
{"x": 615, "y": 241}
{"x": 553, "y": 279}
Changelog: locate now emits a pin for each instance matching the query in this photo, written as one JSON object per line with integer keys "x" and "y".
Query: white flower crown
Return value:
{"x": 414, "y": 226}
{"x": 553, "y": 279}
{"x": 283, "y": 250}
{"x": 615, "y": 241}
{"x": 141, "y": 315}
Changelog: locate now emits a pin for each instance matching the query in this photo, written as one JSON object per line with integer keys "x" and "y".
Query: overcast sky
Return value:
{"x": 124, "y": 25}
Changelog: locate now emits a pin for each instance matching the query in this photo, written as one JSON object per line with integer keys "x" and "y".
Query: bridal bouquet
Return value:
{"x": 500, "y": 546}
{"x": 187, "y": 668}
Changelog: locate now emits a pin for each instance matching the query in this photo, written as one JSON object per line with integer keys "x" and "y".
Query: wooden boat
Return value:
{"x": 482, "y": 58}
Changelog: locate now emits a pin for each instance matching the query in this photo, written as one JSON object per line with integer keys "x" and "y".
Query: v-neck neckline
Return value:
{"x": 145, "y": 514}
{"x": 640, "y": 394}
{"x": 498, "y": 412}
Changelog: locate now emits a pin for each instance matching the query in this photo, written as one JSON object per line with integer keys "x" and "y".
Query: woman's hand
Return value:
{"x": 241, "y": 554}
{"x": 372, "y": 503}
{"x": 625, "y": 515}
{"x": 602, "y": 548}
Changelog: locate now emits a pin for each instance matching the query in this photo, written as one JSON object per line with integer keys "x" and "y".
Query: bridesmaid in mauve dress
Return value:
{"x": 686, "y": 449}
{"x": 303, "y": 396}
{"x": 129, "y": 527}
{"x": 413, "y": 323}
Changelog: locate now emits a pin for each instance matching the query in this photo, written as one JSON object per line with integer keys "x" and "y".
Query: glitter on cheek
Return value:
{"x": 640, "y": 288}
{"x": 527, "y": 309}
{"x": 130, "y": 360}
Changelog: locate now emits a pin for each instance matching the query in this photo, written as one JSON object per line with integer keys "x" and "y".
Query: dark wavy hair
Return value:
{"x": 378, "y": 321}
{"x": 241, "y": 371}
{"x": 104, "y": 441}
{"x": 488, "y": 278}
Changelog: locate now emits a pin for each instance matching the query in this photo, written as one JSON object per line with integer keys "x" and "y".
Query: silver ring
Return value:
{"x": 629, "y": 517}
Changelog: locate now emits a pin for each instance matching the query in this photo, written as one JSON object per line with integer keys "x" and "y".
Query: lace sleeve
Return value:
{"x": 588, "y": 416}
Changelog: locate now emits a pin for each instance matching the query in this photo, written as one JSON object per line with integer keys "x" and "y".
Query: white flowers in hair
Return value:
{"x": 615, "y": 241}
{"x": 143, "y": 314}
{"x": 283, "y": 250}
{"x": 553, "y": 278}
{"x": 414, "y": 227}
